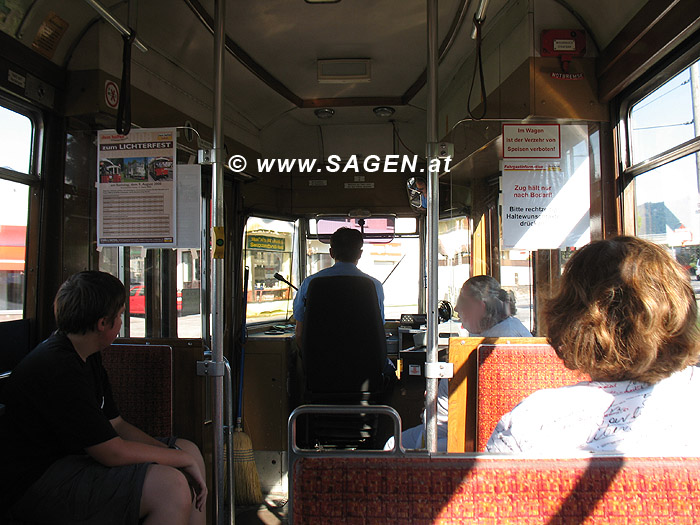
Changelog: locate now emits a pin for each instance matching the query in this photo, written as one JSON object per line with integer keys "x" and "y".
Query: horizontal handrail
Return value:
{"x": 344, "y": 409}
{"x": 294, "y": 452}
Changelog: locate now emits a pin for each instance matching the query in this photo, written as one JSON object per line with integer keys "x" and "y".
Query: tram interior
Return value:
{"x": 345, "y": 85}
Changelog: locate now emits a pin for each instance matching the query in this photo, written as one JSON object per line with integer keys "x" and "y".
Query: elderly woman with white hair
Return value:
{"x": 485, "y": 310}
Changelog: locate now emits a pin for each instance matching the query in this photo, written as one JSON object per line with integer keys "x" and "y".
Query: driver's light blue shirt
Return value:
{"x": 339, "y": 268}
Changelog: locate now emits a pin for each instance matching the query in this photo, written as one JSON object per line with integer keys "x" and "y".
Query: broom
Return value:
{"x": 247, "y": 482}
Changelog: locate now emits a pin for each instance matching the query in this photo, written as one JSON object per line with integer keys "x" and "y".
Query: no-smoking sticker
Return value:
{"x": 111, "y": 94}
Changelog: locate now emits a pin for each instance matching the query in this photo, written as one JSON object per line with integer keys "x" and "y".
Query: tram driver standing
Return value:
{"x": 66, "y": 454}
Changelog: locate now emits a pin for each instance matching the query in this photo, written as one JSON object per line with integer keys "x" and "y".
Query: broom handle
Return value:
{"x": 239, "y": 414}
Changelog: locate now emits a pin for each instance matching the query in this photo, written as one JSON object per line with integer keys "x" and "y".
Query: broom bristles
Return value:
{"x": 247, "y": 482}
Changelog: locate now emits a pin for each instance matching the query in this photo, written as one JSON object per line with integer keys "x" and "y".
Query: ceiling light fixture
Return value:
{"x": 321, "y": 1}
{"x": 324, "y": 113}
{"x": 343, "y": 70}
{"x": 383, "y": 111}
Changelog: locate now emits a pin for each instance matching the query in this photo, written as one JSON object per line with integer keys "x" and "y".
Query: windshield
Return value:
{"x": 390, "y": 254}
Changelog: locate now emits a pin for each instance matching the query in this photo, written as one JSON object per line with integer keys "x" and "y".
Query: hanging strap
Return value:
{"x": 477, "y": 63}
{"x": 124, "y": 110}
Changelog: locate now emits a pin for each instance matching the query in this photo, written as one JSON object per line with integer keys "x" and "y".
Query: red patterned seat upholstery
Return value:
{"x": 494, "y": 490}
{"x": 491, "y": 376}
{"x": 507, "y": 374}
{"x": 142, "y": 378}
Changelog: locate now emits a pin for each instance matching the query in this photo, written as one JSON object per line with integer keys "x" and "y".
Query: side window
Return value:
{"x": 148, "y": 278}
{"x": 663, "y": 156}
{"x": 665, "y": 118}
{"x": 17, "y": 136}
{"x": 454, "y": 251}
{"x": 269, "y": 250}
{"x": 187, "y": 300}
{"x": 455, "y": 267}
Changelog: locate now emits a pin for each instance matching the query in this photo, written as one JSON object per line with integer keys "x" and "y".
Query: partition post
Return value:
{"x": 432, "y": 226}
{"x": 217, "y": 283}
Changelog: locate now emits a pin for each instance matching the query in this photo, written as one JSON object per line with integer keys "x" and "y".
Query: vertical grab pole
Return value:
{"x": 217, "y": 288}
{"x": 231, "y": 493}
{"x": 432, "y": 226}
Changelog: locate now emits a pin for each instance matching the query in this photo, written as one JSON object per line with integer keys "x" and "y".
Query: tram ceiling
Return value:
{"x": 274, "y": 48}
{"x": 281, "y": 41}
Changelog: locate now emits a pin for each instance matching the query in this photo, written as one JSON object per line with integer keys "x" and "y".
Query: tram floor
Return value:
{"x": 271, "y": 512}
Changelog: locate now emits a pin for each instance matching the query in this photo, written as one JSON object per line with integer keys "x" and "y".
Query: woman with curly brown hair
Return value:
{"x": 625, "y": 314}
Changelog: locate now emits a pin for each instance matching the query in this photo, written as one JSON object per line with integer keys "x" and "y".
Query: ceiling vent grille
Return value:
{"x": 344, "y": 71}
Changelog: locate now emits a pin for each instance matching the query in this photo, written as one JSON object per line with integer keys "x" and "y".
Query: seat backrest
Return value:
{"x": 479, "y": 489}
{"x": 491, "y": 376}
{"x": 15, "y": 342}
{"x": 141, "y": 377}
{"x": 344, "y": 344}
{"x": 507, "y": 374}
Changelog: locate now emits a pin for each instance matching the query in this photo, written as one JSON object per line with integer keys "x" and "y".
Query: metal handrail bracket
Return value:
{"x": 294, "y": 452}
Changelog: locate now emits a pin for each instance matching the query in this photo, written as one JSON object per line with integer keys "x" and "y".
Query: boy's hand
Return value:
{"x": 198, "y": 484}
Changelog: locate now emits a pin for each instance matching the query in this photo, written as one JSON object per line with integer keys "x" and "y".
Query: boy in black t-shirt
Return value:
{"x": 66, "y": 454}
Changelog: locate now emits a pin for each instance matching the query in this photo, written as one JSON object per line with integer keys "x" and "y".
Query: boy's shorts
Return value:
{"x": 77, "y": 490}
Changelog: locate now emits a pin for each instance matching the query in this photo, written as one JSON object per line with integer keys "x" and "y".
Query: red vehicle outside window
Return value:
{"x": 137, "y": 300}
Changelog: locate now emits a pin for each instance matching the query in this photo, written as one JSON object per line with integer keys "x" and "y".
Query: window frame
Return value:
{"x": 296, "y": 245}
{"x": 664, "y": 70}
{"x": 34, "y": 176}
{"x": 305, "y": 236}
{"x": 32, "y": 180}
{"x": 657, "y": 78}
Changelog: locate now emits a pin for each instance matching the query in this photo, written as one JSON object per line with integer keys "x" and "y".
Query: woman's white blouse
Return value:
{"x": 616, "y": 417}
